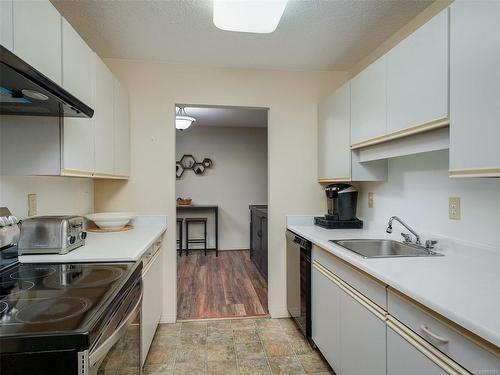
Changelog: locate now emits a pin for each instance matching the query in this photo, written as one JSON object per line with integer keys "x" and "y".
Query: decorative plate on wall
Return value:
{"x": 189, "y": 162}
{"x": 207, "y": 162}
{"x": 179, "y": 169}
{"x": 199, "y": 168}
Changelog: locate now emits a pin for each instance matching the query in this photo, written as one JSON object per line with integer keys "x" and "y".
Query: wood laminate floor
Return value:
{"x": 219, "y": 287}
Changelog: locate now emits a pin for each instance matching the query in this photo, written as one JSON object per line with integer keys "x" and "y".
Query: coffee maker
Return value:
{"x": 342, "y": 200}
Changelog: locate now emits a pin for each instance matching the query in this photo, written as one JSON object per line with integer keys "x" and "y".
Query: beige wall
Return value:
{"x": 292, "y": 98}
{"x": 55, "y": 195}
{"x": 239, "y": 157}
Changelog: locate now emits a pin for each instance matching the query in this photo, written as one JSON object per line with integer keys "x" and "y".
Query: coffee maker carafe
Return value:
{"x": 341, "y": 202}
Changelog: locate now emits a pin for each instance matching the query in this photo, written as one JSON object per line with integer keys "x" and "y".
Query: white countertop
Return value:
{"x": 110, "y": 247}
{"x": 463, "y": 285}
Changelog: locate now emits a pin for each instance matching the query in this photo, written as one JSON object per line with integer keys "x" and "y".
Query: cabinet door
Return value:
{"x": 6, "y": 36}
{"x": 368, "y": 102}
{"x": 363, "y": 339}
{"x": 79, "y": 78}
{"x": 121, "y": 130}
{"x": 325, "y": 316}
{"x": 334, "y": 136}
{"x": 417, "y": 76}
{"x": 104, "y": 126}
{"x": 77, "y": 66}
{"x": 37, "y": 36}
{"x": 151, "y": 302}
{"x": 474, "y": 88}
{"x": 404, "y": 358}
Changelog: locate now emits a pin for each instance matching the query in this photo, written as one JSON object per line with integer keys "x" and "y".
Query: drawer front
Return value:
{"x": 442, "y": 336}
{"x": 364, "y": 284}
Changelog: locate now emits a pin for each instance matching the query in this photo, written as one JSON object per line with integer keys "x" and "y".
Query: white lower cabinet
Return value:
{"x": 325, "y": 301}
{"x": 151, "y": 302}
{"x": 349, "y": 332}
{"x": 404, "y": 358}
{"x": 362, "y": 349}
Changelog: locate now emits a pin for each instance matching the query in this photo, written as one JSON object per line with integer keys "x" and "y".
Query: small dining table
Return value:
{"x": 205, "y": 207}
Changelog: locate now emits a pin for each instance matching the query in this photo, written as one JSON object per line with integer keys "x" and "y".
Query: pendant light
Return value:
{"x": 182, "y": 120}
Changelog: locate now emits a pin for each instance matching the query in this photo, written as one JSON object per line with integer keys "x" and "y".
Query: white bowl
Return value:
{"x": 111, "y": 220}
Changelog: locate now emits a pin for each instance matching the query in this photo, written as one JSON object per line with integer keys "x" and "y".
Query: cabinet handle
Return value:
{"x": 431, "y": 334}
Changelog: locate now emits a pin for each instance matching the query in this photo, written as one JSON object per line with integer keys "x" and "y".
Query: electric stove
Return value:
{"x": 66, "y": 318}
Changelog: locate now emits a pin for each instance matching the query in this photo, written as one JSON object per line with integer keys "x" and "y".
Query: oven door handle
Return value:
{"x": 100, "y": 352}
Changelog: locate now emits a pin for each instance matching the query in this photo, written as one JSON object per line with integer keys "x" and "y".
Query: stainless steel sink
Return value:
{"x": 384, "y": 248}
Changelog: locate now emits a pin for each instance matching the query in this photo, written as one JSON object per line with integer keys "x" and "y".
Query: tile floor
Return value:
{"x": 240, "y": 346}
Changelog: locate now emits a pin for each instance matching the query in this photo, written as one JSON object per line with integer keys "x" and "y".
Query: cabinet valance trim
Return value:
{"x": 417, "y": 129}
{"x": 475, "y": 172}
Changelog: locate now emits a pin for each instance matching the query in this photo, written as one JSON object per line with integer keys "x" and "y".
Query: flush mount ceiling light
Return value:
{"x": 250, "y": 16}
{"x": 182, "y": 120}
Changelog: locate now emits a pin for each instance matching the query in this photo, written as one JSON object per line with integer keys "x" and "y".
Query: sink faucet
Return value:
{"x": 407, "y": 239}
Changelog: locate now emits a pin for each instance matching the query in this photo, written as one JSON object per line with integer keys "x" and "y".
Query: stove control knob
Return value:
{"x": 3, "y": 222}
{"x": 83, "y": 235}
{"x": 8, "y": 220}
{"x": 71, "y": 240}
{"x": 14, "y": 219}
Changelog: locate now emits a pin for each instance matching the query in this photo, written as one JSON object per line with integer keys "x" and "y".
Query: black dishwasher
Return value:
{"x": 298, "y": 277}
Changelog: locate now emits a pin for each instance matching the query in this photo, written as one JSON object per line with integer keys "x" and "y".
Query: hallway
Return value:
{"x": 219, "y": 287}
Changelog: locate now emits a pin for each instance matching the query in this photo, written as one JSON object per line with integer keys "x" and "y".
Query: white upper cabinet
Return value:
{"x": 79, "y": 79}
{"x": 334, "y": 152}
{"x": 77, "y": 65}
{"x": 368, "y": 102}
{"x": 121, "y": 131}
{"x": 37, "y": 36}
{"x": 104, "y": 120}
{"x": 474, "y": 88}
{"x": 417, "y": 77}
{"x": 6, "y": 25}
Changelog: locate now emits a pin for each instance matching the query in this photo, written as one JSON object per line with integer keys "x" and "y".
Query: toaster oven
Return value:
{"x": 51, "y": 235}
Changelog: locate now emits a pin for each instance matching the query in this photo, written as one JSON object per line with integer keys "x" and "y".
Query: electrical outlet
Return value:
{"x": 370, "y": 200}
{"x": 32, "y": 209}
{"x": 454, "y": 208}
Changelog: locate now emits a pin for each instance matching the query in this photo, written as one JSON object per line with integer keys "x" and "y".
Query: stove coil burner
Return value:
{"x": 3, "y": 307}
{"x": 32, "y": 272}
{"x": 13, "y": 287}
{"x": 52, "y": 310}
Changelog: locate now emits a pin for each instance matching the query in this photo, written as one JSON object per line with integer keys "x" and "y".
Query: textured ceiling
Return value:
{"x": 312, "y": 35}
{"x": 228, "y": 116}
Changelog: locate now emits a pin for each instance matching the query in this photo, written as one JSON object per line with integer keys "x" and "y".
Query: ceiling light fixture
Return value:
{"x": 182, "y": 120}
{"x": 250, "y": 16}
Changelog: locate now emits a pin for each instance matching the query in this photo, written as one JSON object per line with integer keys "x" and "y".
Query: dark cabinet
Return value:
{"x": 258, "y": 238}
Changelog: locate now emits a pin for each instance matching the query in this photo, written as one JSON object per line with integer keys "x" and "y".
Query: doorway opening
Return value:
{"x": 222, "y": 195}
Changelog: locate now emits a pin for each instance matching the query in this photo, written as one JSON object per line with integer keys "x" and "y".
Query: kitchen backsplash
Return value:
{"x": 55, "y": 195}
{"x": 418, "y": 189}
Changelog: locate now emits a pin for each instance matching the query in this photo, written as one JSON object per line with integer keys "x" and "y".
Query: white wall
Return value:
{"x": 417, "y": 190}
{"x": 292, "y": 98}
{"x": 55, "y": 195}
{"x": 237, "y": 178}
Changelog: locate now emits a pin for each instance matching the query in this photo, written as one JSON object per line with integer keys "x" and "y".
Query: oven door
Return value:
{"x": 118, "y": 350}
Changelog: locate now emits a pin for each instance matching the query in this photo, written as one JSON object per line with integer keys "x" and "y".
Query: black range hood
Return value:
{"x": 27, "y": 92}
